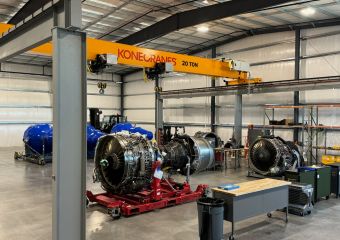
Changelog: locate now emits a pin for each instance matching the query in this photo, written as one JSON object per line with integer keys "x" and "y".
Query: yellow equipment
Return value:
{"x": 148, "y": 58}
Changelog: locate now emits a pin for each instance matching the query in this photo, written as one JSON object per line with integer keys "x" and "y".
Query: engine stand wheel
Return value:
{"x": 114, "y": 213}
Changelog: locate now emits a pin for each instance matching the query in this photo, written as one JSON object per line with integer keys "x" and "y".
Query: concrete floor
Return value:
{"x": 25, "y": 211}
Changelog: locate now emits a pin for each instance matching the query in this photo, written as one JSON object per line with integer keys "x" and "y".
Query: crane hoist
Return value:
{"x": 101, "y": 54}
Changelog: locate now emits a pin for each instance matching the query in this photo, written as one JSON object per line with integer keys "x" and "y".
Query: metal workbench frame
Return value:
{"x": 238, "y": 208}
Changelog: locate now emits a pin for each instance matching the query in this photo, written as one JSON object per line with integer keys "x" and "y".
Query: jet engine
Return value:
{"x": 272, "y": 156}
{"x": 123, "y": 163}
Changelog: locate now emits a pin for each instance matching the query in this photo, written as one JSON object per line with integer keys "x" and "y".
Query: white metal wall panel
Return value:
{"x": 256, "y": 41}
{"x": 272, "y": 53}
{"x": 140, "y": 115}
{"x": 26, "y": 99}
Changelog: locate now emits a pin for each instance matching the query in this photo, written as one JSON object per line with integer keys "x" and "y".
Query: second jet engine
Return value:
{"x": 272, "y": 156}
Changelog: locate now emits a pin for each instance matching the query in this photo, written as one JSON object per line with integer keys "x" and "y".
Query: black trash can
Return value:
{"x": 210, "y": 218}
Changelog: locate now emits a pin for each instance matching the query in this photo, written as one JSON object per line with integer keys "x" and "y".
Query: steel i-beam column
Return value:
{"x": 69, "y": 134}
{"x": 297, "y": 76}
{"x": 213, "y": 98}
{"x": 158, "y": 109}
{"x": 238, "y": 120}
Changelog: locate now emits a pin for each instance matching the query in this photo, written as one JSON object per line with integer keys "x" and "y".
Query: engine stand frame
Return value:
{"x": 171, "y": 194}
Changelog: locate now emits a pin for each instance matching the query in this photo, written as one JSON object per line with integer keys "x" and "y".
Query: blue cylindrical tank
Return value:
{"x": 39, "y": 138}
{"x": 92, "y": 138}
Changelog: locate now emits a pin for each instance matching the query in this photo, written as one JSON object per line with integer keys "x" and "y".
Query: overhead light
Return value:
{"x": 308, "y": 11}
{"x": 103, "y": 3}
{"x": 92, "y": 11}
{"x": 145, "y": 24}
{"x": 206, "y": 2}
{"x": 203, "y": 29}
{"x": 137, "y": 28}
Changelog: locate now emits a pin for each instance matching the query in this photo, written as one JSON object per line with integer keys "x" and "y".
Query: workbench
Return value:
{"x": 253, "y": 198}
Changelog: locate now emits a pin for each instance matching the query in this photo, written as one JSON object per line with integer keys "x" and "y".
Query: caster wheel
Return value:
{"x": 302, "y": 214}
{"x": 309, "y": 212}
{"x": 114, "y": 213}
{"x": 231, "y": 238}
{"x": 269, "y": 215}
{"x": 327, "y": 197}
{"x": 87, "y": 202}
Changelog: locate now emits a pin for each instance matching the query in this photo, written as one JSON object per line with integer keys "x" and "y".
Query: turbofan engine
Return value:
{"x": 272, "y": 156}
{"x": 123, "y": 163}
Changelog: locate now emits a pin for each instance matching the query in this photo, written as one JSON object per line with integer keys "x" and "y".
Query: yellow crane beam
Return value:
{"x": 147, "y": 58}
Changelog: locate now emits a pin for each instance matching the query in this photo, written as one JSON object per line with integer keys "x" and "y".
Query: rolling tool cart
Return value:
{"x": 321, "y": 176}
{"x": 323, "y": 182}
{"x": 335, "y": 178}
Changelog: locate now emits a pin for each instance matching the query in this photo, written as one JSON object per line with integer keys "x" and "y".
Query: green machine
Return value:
{"x": 318, "y": 176}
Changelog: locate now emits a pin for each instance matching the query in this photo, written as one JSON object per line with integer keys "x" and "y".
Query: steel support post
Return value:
{"x": 122, "y": 90}
{"x": 69, "y": 134}
{"x": 213, "y": 98}
{"x": 158, "y": 109}
{"x": 297, "y": 76}
{"x": 238, "y": 120}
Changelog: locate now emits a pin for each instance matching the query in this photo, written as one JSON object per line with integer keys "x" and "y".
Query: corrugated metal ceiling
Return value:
{"x": 115, "y": 19}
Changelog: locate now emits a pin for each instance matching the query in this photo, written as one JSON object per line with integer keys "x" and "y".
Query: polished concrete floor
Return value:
{"x": 25, "y": 212}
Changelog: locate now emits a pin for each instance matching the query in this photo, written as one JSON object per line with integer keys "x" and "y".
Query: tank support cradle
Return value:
{"x": 169, "y": 193}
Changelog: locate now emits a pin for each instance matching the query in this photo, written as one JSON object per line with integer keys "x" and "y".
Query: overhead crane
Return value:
{"x": 101, "y": 53}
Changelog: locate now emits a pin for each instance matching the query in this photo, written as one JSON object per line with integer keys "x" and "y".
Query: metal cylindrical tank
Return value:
{"x": 272, "y": 156}
{"x": 123, "y": 163}
{"x": 38, "y": 138}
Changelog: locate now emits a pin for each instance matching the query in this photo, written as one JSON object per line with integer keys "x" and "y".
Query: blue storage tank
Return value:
{"x": 39, "y": 138}
{"x": 128, "y": 127}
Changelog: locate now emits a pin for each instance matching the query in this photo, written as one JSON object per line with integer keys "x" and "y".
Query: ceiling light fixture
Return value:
{"x": 203, "y": 29}
{"x": 308, "y": 11}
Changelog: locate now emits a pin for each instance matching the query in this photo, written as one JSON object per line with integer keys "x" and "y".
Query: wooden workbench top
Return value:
{"x": 254, "y": 186}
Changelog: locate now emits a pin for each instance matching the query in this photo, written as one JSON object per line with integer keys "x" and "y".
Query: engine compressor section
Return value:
{"x": 131, "y": 170}
{"x": 272, "y": 156}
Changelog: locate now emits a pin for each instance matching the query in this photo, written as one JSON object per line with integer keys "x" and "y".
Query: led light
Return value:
{"x": 308, "y": 11}
{"x": 104, "y": 24}
{"x": 203, "y": 29}
{"x": 92, "y": 12}
{"x": 103, "y": 3}
{"x": 145, "y": 24}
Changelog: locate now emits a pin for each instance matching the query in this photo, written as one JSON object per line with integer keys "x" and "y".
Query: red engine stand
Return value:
{"x": 169, "y": 193}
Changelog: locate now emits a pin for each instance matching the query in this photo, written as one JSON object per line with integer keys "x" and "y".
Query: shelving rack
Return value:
{"x": 310, "y": 127}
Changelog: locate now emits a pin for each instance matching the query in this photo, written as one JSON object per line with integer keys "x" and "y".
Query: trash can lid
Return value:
{"x": 213, "y": 202}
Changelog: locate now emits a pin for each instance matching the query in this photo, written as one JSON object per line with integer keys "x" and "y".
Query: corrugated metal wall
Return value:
{"x": 272, "y": 57}
{"x": 26, "y": 99}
